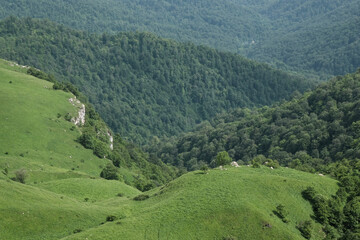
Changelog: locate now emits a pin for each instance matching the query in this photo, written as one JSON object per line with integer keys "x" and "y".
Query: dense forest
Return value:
{"x": 315, "y": 37}
{"x": 143, "y": 85}
{"x": 307, "y": 133}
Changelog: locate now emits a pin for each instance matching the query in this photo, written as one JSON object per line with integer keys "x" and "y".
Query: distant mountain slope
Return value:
{"x": 143, "y": 85}
{"x": 309, "y": 132}
{"x": 322, "y": 42}
{"x": 317, "y": 36}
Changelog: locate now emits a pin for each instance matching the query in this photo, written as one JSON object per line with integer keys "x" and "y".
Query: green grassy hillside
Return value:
{"x": 63, "y": 197}
{"x": 234, "y": 202}
{"x": 33, "y": 136}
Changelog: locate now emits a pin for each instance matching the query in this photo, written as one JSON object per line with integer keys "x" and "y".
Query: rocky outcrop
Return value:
{"x": 111, "y": 139}
{"x": 80, "y": 119}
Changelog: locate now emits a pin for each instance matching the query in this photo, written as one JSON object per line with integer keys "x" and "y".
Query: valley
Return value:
{"x": 179, "y": 119}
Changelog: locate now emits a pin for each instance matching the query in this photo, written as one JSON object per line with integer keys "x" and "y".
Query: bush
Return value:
{"x": 305, "y": 228}
{"x": 256, "y": 165}
{"x": 20, "y": 175}
{"x": 204, "y": 168}
{"x": 77, "y": 230}
{"x": 141, "y": 197}
{"x": 111, "y": 218}
{"x": 223, "y": 158}
{"x": 282, "y": 213}
{"x": 309, "y": 194}
{"x": 109, "y": 172}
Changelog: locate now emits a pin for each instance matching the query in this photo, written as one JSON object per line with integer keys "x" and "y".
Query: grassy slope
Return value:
{"x": 33, "y": 138}
{"x": 236, "y": 202}
{"x": 52, "y": 204}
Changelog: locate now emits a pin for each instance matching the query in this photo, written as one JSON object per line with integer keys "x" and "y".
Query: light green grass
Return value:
{"x": 33, "y": 136}
{"x": 92, "y": 189}
{"x": 236, "y": 202}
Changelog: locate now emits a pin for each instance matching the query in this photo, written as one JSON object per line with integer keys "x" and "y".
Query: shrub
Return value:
{"x": 282, "y": 213}
{"x": 256, "y": 165}
{"x": 141, "y": 197}
{"x": 305, "y": 228}
{"x": 109, "y": 172}
{"x": 20, "y": 175}
{"x": 309, "y": 194}
{"x": 223, "y": 158}
{"x": 77, "y": 230}
{"x": 204, "y": 168}
{"x": 111, "y": 218}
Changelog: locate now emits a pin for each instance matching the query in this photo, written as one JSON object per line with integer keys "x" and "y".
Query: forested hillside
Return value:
{"x": 307, "y": 133}
{"x": 143, "y": 85}
{"x": 320, "y": 36}
{"x": 317, "y": 37}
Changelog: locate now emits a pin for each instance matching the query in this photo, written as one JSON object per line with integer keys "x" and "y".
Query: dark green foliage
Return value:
{"x": 111, "y": 218}
{"x": 313, "y": 35}
{"x": 352, "y": 214}
{"x": 141, "y": 197}
{"x": 77, "y": 230}
{"x": 143, "y": 85}
{"x": 306, "y": 228}
{"x": 204, "y": 169}
{"x": 309, "y": 194}
{"x": 255, "y": 165}
{"x": 222, "y": 158}
{"x": 110, "y": 172}
{"x": 340, "y": 215}
{"x": 282, "y": 213}
{"x": 39, "y": 74}
{"x": 307, "y": 133}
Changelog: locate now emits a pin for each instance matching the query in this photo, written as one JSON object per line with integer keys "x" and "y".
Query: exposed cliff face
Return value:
{"x": 111, "y": 139}
{"x": 80, "y": 119}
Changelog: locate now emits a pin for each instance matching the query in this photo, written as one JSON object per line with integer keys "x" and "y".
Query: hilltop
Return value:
{"x": 143, "y": 85}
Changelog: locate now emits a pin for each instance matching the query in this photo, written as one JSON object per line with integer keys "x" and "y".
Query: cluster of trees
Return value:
{"x": 340, "y": 214}
{"x": 307, "y": 133}
{"x": 143, "y": 85}
{"x": 320, "y": 36}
